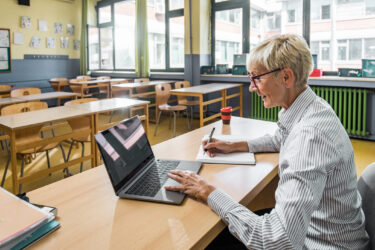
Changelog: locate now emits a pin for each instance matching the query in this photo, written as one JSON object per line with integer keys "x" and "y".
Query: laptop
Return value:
{"x": 134, "y": 171}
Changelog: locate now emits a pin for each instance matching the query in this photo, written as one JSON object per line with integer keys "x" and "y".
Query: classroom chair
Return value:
{"x": 58, "y": 84}
{"x": 79, "y": 124}
{"x": 162, "y": 96}
{"x": 84, "y": 77}
{"x": 5, "y": 90}
{"x": 103, "y": 78}
{"x": 25, "y": 91}
{"x": 182, "y": 100}
{"x": 77, "y": 88}
{"x": 29, "y": 135}
{"x": 366, "y": 187}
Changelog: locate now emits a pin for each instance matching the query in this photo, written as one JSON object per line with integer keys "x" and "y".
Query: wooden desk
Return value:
{"x": 107, "y": 83}
{"x": 92, "y": 217}
{"x": 201, "y": 90}
{"x": 12, "y": 123}
{"x": 59, "y": 85}
{"x": 130, "y": 90}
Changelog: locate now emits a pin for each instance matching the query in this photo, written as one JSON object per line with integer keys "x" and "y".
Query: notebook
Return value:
{"x": 134, "y": 171}
{"x": 246, "y": 158}
{"x": 18, "y": 218}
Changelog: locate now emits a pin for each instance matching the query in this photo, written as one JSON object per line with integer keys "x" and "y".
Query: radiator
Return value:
{"x": 348, "y": 103}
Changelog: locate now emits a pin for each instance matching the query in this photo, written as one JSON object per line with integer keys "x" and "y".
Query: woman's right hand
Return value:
{"x": 216, "y": 146}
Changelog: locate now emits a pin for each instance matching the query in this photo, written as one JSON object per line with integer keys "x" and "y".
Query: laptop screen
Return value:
{"x": 125, "y": 150}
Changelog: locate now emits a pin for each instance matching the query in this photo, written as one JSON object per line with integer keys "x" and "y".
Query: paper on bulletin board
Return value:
{"x": 51, "y": 43}
{"x": 25, "y": 22}
{"x": 4, "y": 38}
{"x": 58, "y": 28}
{"x": 43, "y": 25}
{"x": 70, "y": 29}
{"x": 35, "y": 42}
{"x": 3, "y": 54}
{"x": 77, "y": 44}
{"x": 64, "y": 42}
{"x": 4, "y": 65}
{"x": 18, "y": 38}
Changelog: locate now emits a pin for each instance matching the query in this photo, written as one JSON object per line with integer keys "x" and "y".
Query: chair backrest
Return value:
{"x": 24, "y": 91}
{"x": 180, "y": 85}
{"x": 5, "y": 87}
{"x": 366, "y": 187}
{"x": 31, "y": 133}
{"x": 141, "y": 80}
{"x": 103, "y": 78}
{"x": 78, "y": 101}
{"x": 163, "y": 92}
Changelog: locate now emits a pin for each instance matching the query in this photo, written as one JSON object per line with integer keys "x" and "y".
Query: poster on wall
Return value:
{"x": 64, "y": 42}
{"x": 58, "y": 28}
{"x": 4, "y": 38}
{"x": 5, "y": 59}
{"x": 35, "y": 42}
{"x": 51, "y": 43}
{"x": 70, "y": 29}
{"x": 43, "y": 25}
{"x": 77, "y": 44}
{"x": 18, "y": 38}
{"x": 25, "y": 22}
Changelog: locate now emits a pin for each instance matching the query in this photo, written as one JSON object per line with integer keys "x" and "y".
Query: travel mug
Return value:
{"x": 226, "y": 114}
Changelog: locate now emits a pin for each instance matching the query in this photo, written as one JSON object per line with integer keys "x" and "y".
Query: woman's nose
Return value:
{"x": 252, "y": 87}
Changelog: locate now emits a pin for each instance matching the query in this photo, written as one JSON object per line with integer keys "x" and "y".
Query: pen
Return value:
{"x": 209, "y": 138}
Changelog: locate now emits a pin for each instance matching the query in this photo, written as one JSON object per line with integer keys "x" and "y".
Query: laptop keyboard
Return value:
{"x": 151, "y": 182}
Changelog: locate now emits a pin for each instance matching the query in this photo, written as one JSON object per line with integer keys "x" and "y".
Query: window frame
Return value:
{"x": 168, "y": 14}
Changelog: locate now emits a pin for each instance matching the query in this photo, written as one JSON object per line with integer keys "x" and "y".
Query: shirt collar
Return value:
{"x": 287, "y": 118}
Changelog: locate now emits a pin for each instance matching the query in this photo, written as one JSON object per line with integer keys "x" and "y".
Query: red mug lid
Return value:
{"x": 226, "y": 109}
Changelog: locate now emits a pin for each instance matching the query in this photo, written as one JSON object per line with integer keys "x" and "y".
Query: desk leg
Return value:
{"x": 241, "y": 102}
{"x": 95, "y": 160}
{"x": 13, "y": 155}
{"x": 146, "y": 121}
{"x": 201, "y": 111}
{"x": 224, "y": 96}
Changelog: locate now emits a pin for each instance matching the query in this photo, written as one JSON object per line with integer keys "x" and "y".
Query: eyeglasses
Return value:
{"x": 256, "y": 79}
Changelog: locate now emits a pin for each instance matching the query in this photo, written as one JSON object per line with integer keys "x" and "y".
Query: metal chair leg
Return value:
{"x": 48, "y": 162}
{"x": 83, "y": 153}
{"x": 5, "y": 171}
{"x": 157, "y": 123}
{"x": 21, "y": 175}
{"x": 70, "y": 150}
{"x": 170, "y": 115}
{"x": 191, "y": 116}
{"x": 174, "y": 124}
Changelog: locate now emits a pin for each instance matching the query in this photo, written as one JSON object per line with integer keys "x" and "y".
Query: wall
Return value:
{"x": 37, "y": 72}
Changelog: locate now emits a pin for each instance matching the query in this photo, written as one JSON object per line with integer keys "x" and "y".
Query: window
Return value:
{"x": 369, "y": 48}
{"x": 355, "y": 49}
{"x": 291, "y": 16}
{"x": 93, "y": 48}
{"x": 325, "y": 50}
{"x": 228, "y": 35}
{"x": 255, "y": 18}
{"x": 326, "y": 12}
{"x": 370, "y": 7}
{"x": 112, "y": 45}
{"x": 125, "y": 35}
{"x": 342, "y": 49}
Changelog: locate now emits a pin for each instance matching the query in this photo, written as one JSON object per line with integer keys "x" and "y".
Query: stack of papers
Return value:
{"x": 246, "y": 158}
{"x": 21, "y": 222}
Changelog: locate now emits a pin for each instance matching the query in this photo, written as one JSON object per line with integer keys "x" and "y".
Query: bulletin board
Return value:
{"x": 5, "y": 56}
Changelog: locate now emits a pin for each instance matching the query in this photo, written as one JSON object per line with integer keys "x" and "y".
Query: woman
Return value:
{"x": 317, "y": 202}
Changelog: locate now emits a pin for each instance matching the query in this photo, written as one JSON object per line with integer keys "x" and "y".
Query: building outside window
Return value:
{"x": 291, "y": 16}
{"x": 326, "y": 12}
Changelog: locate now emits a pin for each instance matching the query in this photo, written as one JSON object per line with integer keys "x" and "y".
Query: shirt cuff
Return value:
{"x": 221, "y": 203}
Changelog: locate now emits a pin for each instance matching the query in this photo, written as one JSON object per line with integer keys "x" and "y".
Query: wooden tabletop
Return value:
{"x": 108, "y": 105}
{"x": 206, "y": 88}
{"x": 114, "y": 80}
{"x": 48, "y": 95}
{"x": 92, "y": 217}
{"x": 9, "y": 100}
{"x": 140, "y": 84}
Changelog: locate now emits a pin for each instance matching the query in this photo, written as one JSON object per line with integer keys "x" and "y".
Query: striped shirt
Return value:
{"x": 318, "y": 205}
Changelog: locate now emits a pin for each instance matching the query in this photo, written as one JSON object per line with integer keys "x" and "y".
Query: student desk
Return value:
{"x": 83, "y": 84}
{"x": 92, "y": 217}
{"x": 12, "y": 123}
{"x": 201, "y": 90}
{"x": 131, "y": 89}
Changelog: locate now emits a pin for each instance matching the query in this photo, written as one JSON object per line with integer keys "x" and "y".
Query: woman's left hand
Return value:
{"x": 191, "y": 184}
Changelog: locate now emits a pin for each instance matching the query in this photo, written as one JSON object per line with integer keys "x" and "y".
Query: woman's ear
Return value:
{"x": 288, "y": 77}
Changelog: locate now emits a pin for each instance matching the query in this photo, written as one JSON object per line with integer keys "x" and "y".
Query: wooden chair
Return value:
{"x": 5, "y": 90}
{"x": 29, "y": 135}
{"x": 58, "y": 84}
{"x": 182, "y": 100}
{"x": 103, "y": 78}
{"x": 77, "y": 88}
{"x": 85, "y": 78}
{"x": 79, "y": 124}
{"x": 162, "y": 96}
{"x": 24, "y": 91}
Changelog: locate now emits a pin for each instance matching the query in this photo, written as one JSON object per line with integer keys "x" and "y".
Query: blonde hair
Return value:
{"x": 284, "y": 51}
